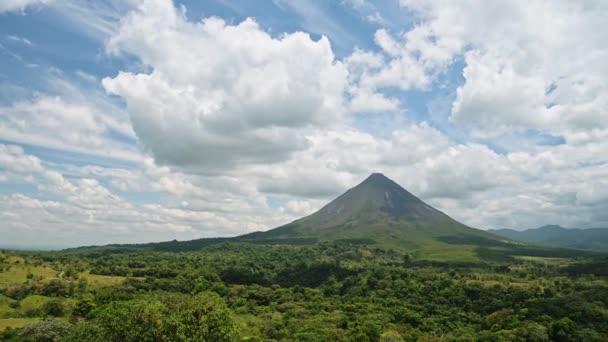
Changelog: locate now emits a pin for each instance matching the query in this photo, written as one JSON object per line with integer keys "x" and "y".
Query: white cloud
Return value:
{"x": 84, "y": 210}
{"x": 19, "y": 39}
{"x": 223, "y": 94}
{"x": 148, "y": 178}
{"x": 301, "y": 208}
{"x": 246, "y": 130}
{"x": 402, "y": 68}
{"x": 19, "y": 5}
{"x": 406, "y": 61}
{"x": 418, "y": 156}
{"x": 53, "y": 122}
{"x": 368, "y": 11}
{"x": 13, "y": 158}
{"x": 366, "y": 101}
{"x": 523, "y": 70}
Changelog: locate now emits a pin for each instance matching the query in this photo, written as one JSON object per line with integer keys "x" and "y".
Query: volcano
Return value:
{"x": 380, "y": 211}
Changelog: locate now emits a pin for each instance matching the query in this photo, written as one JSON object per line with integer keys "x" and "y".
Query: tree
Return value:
{"x": 136, "y": 320}
{"x": 51, "y": 330}
{"x": 391, "y": 336}
{"x": 84, "y": 306}
{"x": 206, "y": 318}
{"x": 55, "y": 288}
{"x": 533, "y": 332}
{"x": 563, "y": 330}
{"x": 53, "y": 308}
{"x": 86, "y": 331}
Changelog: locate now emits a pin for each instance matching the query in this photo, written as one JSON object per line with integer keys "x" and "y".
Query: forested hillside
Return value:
{"x": 329, "y": 292}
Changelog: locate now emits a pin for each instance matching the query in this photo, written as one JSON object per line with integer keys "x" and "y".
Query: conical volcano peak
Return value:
{"x": 386, "y": 187}
{"x": 376, "y": 196}
{"x": 375, "y": 177}
{"x": 380, "y": 180}
{"x": 377, "y": 209}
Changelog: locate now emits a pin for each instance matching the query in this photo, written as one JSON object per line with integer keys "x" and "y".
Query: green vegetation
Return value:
{"x": 16, "y": 270}
{"x": 14, "y": 323}
{"x": 334, "y": 291}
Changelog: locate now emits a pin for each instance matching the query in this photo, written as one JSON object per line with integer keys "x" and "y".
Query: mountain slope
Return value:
{"x": 589, "y": 239}
{"x": 381, "y": 212}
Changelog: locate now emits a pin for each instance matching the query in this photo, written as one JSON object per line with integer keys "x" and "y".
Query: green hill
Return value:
{"x": 595, "y": 239}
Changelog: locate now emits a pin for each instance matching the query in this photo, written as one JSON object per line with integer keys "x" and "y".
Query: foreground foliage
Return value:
{"x": 328, "y": 292}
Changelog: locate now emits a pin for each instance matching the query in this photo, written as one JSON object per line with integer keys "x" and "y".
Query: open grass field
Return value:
{"x": 545, "y": 260}
{"x": 95, "y": 280}
{"x": 18, "y": 270}
{"x": 6, "y": 310}
{"x": 15, "y": 322}
{"x": 33, "y": 302}
{"x": 28, "y": 305}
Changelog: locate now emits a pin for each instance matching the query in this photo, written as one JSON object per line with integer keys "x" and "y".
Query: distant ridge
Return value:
{"x": 595, "y": 239}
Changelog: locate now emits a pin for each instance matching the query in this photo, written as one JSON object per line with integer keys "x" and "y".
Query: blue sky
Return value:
{"x": 152, "y": 120}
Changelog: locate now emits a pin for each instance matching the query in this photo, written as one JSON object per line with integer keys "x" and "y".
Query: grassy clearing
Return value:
{"x": 95, "y": 280}
{"x": 15, "y": 322}
{"x": 33, "y": 302}
{"x": 18, "y": 272}
{"x": 545, "y": 260}
{"x": 597, "y": 282}
{"x": 5, "y": 310}
{"x": 29, "y": 306}
{"x": 502, "y": 281}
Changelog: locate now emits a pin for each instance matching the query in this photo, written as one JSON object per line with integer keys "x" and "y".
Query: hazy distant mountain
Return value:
{"x": 590, "y": 239}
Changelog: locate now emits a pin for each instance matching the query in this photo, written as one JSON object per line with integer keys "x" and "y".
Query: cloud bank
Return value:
{"x": 226, "y": 127}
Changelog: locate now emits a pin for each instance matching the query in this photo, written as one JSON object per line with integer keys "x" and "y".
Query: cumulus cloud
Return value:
{"x": 245, "y": 130}
{"x": 418, "y": 156}
{"x": 54, "y": 122}
{"x": 221, "y": 94}
{"x": 523, "y": 70}
{"x": 469, "y": 181}
{"x": 68, "y": 113}
{"x": 364, "y": 100}
{"x": 13, "y": 158}
{"x": 89, "y": 205}
{"x": 409, "y": 60}
{"x": 148, "y": 178}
